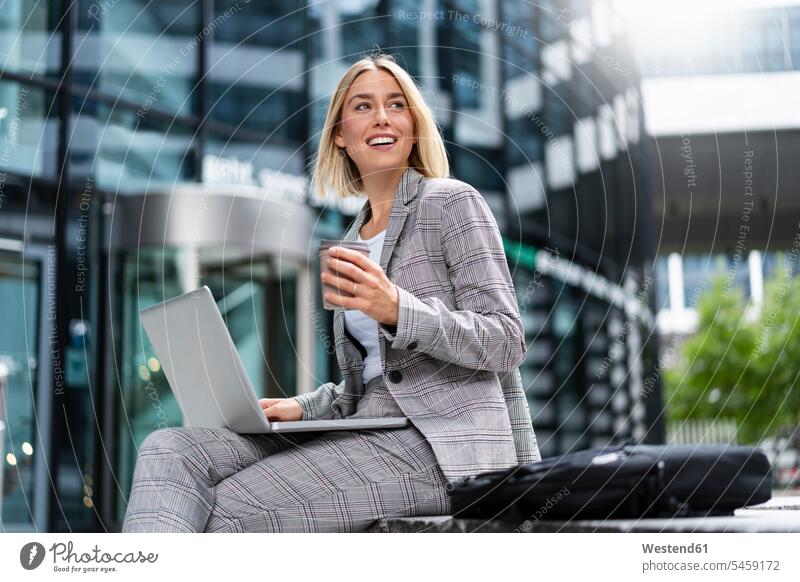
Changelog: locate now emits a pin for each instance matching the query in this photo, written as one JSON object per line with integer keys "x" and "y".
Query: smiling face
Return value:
{"x": 375, "y": 107}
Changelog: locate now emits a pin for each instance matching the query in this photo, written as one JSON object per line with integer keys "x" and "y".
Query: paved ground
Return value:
{"x": 780, "y": 514}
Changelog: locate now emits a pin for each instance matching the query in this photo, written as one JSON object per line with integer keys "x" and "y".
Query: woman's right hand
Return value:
{"x": 281, "y": 409}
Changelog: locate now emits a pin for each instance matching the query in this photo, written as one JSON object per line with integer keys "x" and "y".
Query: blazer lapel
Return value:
{"x": 406, "y": 190}
{"x": 397, "y": 218}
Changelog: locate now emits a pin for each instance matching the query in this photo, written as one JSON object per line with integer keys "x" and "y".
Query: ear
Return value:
{"x": 338, "y": 139}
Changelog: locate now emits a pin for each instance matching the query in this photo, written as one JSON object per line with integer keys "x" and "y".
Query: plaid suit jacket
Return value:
{"x": 451, "y": 362}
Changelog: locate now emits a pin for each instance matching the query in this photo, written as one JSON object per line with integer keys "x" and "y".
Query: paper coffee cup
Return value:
{"x": 324, "y": 253}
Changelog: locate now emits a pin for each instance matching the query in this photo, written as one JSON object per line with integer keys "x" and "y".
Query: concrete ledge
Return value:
{"x": 781, "y": 514}
{"x": 440, "y": 524}
{"x": 448, "y": 524}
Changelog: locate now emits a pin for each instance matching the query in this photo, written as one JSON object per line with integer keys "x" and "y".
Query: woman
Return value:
{"x": 428, "y": 328}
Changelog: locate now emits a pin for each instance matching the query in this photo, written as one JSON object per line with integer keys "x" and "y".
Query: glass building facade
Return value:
{"x": 740, "y": 40}
{"x": 147, "y": 148}
{"x": 727, "y": 203}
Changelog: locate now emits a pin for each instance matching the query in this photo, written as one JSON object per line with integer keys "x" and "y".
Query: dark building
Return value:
{"x": 147, "y": 148}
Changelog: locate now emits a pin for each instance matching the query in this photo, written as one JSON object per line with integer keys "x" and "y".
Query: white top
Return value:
{"x": 363, "y": 327}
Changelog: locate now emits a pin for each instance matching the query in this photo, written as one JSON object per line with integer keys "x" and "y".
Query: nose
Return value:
{"x": 380, "y": 115}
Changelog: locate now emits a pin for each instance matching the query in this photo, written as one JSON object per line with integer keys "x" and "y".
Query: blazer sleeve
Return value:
{"x": 486, "y": 331}
{"x": 317, "y": 405}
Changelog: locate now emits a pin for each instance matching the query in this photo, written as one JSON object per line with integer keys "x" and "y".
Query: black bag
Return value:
{"x": 627, "y": 481}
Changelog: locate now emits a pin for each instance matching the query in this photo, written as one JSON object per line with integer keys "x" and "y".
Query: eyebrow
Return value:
{"x": 371, "y": 95}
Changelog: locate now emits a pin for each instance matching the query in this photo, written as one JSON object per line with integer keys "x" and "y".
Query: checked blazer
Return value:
{"x": 451, "y": 362}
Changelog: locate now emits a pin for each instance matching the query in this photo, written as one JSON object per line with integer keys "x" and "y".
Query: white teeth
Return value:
{"x": 381, "y": 140}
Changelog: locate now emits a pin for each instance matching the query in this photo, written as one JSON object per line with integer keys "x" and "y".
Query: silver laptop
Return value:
{"x": 207, "y": 377}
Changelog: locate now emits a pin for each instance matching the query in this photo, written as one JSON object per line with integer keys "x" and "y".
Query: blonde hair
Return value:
{"x": 338, "y": 172}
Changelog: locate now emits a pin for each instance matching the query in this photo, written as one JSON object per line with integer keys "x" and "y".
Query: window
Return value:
{"x": 525, "y": 143}
{"x": 463, "y": 52}
{"x": 698, "y": 270}
{"x": 140, "y": 51}
{"x": 125, "y": 153}
{"x": 277, "y": 23}
{"x": 28, "y": 130}
{"x": 549, "y": 14}
{"x": 661, "y": 276}
{"x": 29, "y": 39}
{"x": 362, "y": 27}
{"x": 557, "y": 118}
{"x": 481, "y": 168}
{"x": 404, "y": 35}
{"x": 274, "y": 113}
{"x": 521, "y": 51}
{"x": 593, "y": 221}
{"x": 794, "y": 36}
{"x": 256, "y": 68}
{"x": 19, "y": 295}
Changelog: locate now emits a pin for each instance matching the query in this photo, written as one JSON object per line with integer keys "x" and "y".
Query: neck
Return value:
{"x": 380, "y": 188}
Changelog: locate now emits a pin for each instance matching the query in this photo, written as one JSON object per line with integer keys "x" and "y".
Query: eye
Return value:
{"x": 400, "y": 103}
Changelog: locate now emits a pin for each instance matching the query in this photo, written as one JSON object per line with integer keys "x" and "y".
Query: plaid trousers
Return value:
{"x": 200, "y": 479}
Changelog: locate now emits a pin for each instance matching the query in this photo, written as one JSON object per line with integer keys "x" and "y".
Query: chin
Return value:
{"x": 389, "y": 163}
{"x": 373, "y": 166}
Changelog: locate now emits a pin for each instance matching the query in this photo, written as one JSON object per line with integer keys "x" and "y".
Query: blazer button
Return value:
{"x": 412, "y": 346}
{"x": 395, "y": 376}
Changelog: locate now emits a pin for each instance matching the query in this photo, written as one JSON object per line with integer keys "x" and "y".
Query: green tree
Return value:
{"x": 742, "y": 367}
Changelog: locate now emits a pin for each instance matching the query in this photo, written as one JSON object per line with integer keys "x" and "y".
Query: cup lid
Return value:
{"x": 328, "y": 243}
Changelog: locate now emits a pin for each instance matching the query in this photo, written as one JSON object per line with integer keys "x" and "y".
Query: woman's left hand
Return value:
{"x": 376, "y": 296}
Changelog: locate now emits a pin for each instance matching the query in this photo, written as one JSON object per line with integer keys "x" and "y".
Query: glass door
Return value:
{"x": 23, "y": 418}
{"x": 258, "y": 303}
